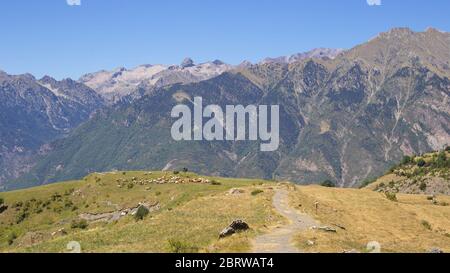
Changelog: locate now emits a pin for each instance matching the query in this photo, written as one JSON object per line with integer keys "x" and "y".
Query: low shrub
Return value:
{"x": 176, "y": 246}
{"x": 256, "y": 192}
{"x": 421, "y": 163}
{"x": 426, "y": 225}
{"x": 328, "y": 183}
{"x": 21, "y": 217}
{"x": 423, "y": 186}
{"x": 11, "y": 237}
{"x": 406, "y": 160}
{"x": 391, "y": 196}
{"x": 141, "y": 212}
{"x": 79, "y": 223}
{"x": 214, "y": 182}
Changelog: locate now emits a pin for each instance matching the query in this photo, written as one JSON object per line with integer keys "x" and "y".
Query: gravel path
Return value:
{"x": 279, "y": 240}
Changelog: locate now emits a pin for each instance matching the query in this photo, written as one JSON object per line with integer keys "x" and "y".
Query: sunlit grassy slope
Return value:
{"x": 410, "y": 224}
{"x": 190, "y": 217}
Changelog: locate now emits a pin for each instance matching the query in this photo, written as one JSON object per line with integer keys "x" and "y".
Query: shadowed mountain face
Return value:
{"x": 34, "y": 112}
{"x": 346, "y": 119}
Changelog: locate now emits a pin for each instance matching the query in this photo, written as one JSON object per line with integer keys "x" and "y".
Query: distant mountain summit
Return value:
{"x": 188, "y": 62}
{"x": 119, "y": 83}
{"x": 116, "y": 84}
{"x": 317, "y": 53}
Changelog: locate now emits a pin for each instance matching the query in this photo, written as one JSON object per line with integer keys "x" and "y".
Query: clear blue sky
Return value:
{"x": 51, "y": 37}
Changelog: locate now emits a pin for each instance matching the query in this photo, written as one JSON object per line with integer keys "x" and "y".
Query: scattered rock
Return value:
{"x": 116, "y": 215}
{"x": 310, "y": 243}
{"x": 435, "y": 250}
{"x": 339, "y": 226}
{"x": 235, "y": 191}
{"x": 32, "y": 238}
{"x": 226, "y": 232}
{"x": 239, "y": 225}
{"x": 235, "y": 226}
{"x": 325, "y": 228}
{"x": 59, "y": 232}
{"x": 351, "y": 251}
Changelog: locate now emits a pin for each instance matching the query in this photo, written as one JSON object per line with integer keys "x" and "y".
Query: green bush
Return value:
{"x": 11, "y": 237}
{"x": 256, "y": 192}
{"x": 68, "y": 203}
{"x": 423, "y": 186}
{"x": 441, "y": 161}
{"x": 214, "y": 182}
{"x": 328, "y": 183}
{"x": 176, "y": 246}
{"x": 421, "y": 163}
{"x": 392, "y": 169}
{"x": 80, "y": 223}
{"x": 141, "y": 212}
{"x": 447, "y": 148}
{"x": 21, "y": 217}
{"x": 176, "y": 172}
{"x": 391, "y": 196}
{"x": 406, "y": 160}
{"x": 185, "y": 170}
{"x": 426, "y": 225}
{"x": 2, "y": 201}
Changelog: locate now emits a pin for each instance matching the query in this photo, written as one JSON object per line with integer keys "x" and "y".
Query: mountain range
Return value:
{"x": 344, "y": 115}
{"x": 116, "y": 84}
{"x": 34, "y": 113}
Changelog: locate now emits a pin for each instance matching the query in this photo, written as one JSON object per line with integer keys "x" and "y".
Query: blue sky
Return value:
{"x": 51, "y": 37}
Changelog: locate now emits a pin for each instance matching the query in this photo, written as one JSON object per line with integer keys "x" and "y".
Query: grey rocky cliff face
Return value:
{"x": 35, "y": 112}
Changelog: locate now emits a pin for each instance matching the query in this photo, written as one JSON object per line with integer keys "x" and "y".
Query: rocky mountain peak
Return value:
{"x": 47, "y": 80}
{"x": 187, "y": 62}
{"x": 316, "y": 53}
{"x": 218, "y": 62}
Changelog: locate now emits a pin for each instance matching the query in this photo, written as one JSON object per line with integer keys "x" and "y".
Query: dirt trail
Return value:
{"x": 279, "y": 240}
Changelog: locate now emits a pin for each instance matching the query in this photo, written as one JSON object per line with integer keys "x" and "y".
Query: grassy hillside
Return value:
{"x": 187, "y": 212}
{"x": 425, "y": 174}
{"x": 188, "y": 215}
{"x": 410, "y": 224}
{"x": 406, "y": 210}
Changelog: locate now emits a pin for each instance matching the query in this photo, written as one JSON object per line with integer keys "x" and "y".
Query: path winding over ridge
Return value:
{"x": 279, "y": 240}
